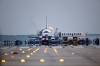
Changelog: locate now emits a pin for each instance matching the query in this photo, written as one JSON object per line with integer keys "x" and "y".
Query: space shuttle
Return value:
{"x": 47, "y": 31}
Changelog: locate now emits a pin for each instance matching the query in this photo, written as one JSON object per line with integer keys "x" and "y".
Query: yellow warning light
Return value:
{"x": 41, "y": 60}
{"x": 31, "y": 53}
{"x": 12, "y": 56}
{"x": 3, "y": 61}
{"x": 6, "y": 54}
{"x": 61, "y": 60}
{"x": 20, "y": 49}
{"x": 28, "y": 49}
{"x": 34, "y": 51}
{"x": 37, "y": 49}
{"x": 45, "y": 51}
{"x": 27, "y": 56}
{"x": 22, "y": 60}
{"x": 55, "y": 51}
{"x": 23, "y": 52}
{"x": 72, "y": 53}
{"x": 12, "y": 52}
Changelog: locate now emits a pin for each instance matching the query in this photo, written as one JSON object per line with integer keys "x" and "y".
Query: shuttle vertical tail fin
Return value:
{"x": 46, "y": 23}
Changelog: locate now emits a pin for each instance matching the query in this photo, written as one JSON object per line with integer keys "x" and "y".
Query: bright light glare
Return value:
{"x": 28, "y": 49}
{"x": 27, "y": 56}
{"x": 23, "y": 52}
{"x": 20, "y": 49}
{"x": 3, "y": 61}
{"x": 22, "y": 60}
{"x": 55, "y": 50}
{"x": 34, "y": 51}
{"x": 12, "y": 52}
{"x": 72, "y": 53}
{"x": 31, "y": 53}
{"x": 41, "y": 60}
{"x": 61, "y": 60}
{"x": 6, "y": 54}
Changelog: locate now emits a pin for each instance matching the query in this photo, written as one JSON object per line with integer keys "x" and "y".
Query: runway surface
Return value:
{"x": 55, "y": 56}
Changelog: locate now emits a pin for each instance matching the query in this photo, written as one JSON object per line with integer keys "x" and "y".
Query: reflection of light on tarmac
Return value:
{"x": 31, "y": 53}
{"x": 22, "y": 60}
{"x": 20, "y": 49}
{"x": 12, "y": 56}
{"x": 45, "y": 50}
{"x": 28, "y": 49}
{"x": 23, "y": 52}
{"x": 41, "y": 60}
{"x": 55, "y": 50}
{"x": 37, "y": 49}
{"x": 12, "y": 52}
{"x": 73, "y": 53}
{"x": 3, "y": 61}
{"x": 61, "y": 60}
{"x": 6, "y": 54}
{"x": 34, "y": 51}
{"x": 27, "y": 56}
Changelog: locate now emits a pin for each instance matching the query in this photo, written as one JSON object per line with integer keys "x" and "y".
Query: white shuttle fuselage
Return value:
{"x": 47, "y": 32}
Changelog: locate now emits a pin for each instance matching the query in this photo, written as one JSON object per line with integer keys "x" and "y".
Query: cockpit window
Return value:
{"x": 46, "y": 32}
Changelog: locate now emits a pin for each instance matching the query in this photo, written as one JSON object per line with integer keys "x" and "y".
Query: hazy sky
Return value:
{"x": 28, "y": 16}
